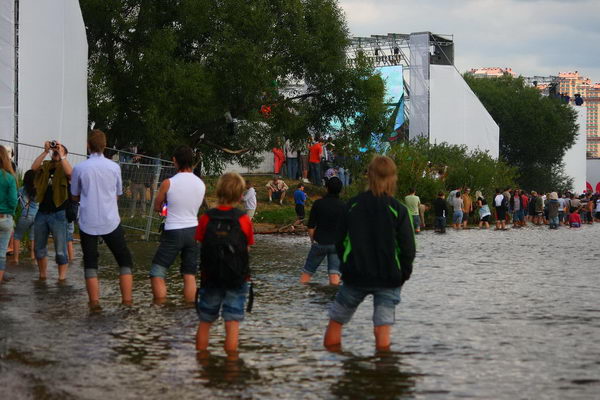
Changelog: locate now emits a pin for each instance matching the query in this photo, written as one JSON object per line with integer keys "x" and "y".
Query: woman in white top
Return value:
{"x": 182, "y": 195}
{"x": 249, "y": 199}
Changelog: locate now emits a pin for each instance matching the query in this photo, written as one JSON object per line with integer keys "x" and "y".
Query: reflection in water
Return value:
{"x": 382, "y": 376}
{"x": 224, "y": 372}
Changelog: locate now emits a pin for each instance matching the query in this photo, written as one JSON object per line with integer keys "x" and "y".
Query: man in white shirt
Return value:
{"x": 249, "y": 199}
{"x": 500, "y": 204}
{"x": 183, "y": 195}
{"x": 96, "y": 184}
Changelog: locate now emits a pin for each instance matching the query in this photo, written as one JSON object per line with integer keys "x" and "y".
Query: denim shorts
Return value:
{"x": 172, "y": 242}
{"x": 317, "y": 254}
{"x": 457, "y": 217}
{"x": 518, "y": 215}
{"x": 349, "y": 298}
{"x": 24, "y": 224}
{"x": 230, "y": 302}
{"x": 416, "y": 220}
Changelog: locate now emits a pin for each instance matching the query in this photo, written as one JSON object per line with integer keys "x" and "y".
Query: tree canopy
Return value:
{"x": 171, "y": 72}
{"x": 535, "y": 130}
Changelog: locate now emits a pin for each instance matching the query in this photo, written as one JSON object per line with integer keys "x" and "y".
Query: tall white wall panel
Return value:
{"x": 7, "y": 69}
{"x": 52, "y": 73}
{"x": 575, "y": 157}
{"x": 419, "y": 85}
{"x": 456, "y": 114}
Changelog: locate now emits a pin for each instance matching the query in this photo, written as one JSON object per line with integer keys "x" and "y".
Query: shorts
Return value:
{"x": 518, "y": 215}
{"x": 597, "y": 214}
{"x": 228, "y": 302}
{"x": 24, "y": 224}
{"x": 500, "y": 213}
{"x": 575, "y": 225}
{"x": 173, "y": 242}
{"x": 457, "y": 217}
{"x": 276, "y": 195}
{"x": 250, "y": 213}
{"x": 317, "y": 254}
{"x": 486, "y": 218}
{"x": 416, "y": 219}
{"x": 300, "y": 213}
{"x": 349, "y": 298}
{"x": 465, "y": 216}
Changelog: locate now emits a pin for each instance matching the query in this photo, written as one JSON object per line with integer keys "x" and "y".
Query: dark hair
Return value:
{"x": 411, "y": 190}
{"x": 300, "y": 185}
{"x": 497, "y": 190}
{"x": 457, "y": 193}
{"x": 28, "y": 179}
{"x": 334, "y": 186}
{"x": 184, "y": 157}
{"x": 440, "y": 194}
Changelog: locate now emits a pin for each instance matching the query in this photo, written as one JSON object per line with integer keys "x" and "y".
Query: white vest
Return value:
{"x": 184, "y": 198}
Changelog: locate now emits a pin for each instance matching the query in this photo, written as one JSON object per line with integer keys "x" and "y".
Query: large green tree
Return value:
{"x": 167, "y": 72}
{"x": 535, "y": 130}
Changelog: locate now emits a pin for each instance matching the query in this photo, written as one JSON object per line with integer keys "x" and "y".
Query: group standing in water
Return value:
{"x": 368, "y": 242}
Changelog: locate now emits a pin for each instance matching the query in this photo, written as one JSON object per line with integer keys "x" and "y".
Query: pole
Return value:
{"x": 151, "y": 208}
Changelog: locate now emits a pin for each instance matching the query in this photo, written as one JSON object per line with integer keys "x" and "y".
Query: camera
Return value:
{"x": 53, "y": 144}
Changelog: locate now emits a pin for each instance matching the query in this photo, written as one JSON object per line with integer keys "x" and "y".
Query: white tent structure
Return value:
{"x": 43, "y": 73}
{"x": 575, "y": 157}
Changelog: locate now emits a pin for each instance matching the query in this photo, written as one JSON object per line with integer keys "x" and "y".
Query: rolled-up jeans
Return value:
{"x": 6, "y": 228}
{"x": 55, "y": 223}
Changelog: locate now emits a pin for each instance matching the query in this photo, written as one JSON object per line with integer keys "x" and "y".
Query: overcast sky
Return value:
{"x": 533, "y": 37}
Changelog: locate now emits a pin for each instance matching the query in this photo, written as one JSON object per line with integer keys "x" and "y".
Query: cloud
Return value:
{"x": 534, "y": 37}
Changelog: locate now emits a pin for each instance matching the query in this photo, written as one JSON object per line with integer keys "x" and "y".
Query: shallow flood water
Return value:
{"x": 488, "y": 315}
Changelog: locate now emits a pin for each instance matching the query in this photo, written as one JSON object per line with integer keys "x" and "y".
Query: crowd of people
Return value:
{"x": 348, "y": 234}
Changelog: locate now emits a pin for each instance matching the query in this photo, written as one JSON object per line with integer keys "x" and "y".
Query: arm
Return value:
{"x": 75, "y": 186}
{"x": 161, "y": 196}
{"x": 67, "y": 168}
{"x": 342, "y": 232}
{"x": 405, "y": 237}
{"x": 37, "y": 163}
{"x": 12, "y": 197}
{"x": 312, "y": 221}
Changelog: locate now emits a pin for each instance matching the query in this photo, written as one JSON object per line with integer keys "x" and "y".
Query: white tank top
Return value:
{"x": 184, "y": 198}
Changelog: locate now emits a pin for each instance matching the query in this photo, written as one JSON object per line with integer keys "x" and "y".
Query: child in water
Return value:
{"x": 376, "y": 246}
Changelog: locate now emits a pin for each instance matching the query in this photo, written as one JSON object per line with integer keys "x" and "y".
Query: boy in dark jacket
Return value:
{"x": 440, "y": 207}
{"x": 376, "y": 245}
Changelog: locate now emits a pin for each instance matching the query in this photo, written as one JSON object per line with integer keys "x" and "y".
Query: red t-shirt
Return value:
{"x": 315, "y": 152}
{"x": 574, "y": 217}
{"x": 244, "y": 220}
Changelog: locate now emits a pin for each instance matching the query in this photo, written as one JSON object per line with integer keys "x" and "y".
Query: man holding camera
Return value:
{"x": 51, "y": 184}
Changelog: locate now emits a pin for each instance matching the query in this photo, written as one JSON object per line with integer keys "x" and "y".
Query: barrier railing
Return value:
{"x": 141, "y": 177}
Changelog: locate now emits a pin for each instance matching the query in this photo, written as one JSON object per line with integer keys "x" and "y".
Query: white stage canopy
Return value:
{"x": 575, "y": 157}
{"x": 52, "y": 73}
{"x": 456, "y": 114}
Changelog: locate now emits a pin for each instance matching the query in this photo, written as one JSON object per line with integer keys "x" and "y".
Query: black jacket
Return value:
{"x": 375, "y": 242}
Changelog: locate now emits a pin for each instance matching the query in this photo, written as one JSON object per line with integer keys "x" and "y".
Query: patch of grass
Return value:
{"x": 277, "y": 215}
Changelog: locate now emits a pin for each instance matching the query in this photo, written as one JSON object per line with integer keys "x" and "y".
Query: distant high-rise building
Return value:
{"x": 572, "y": 83}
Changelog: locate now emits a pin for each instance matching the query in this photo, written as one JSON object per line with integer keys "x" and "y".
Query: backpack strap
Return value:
{"x": 233, "y": 214}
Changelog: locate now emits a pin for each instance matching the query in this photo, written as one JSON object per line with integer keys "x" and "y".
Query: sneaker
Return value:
{"x": 305, "y": 180}
{"x": 280, "y": 202}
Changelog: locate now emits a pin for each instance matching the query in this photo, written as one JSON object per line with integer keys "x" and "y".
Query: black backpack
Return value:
{"x": 224, "y": 255}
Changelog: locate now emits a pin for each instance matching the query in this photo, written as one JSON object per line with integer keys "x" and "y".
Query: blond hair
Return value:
{"x": 5, "y": 163}
{"x": 230, "y": 188}
{"x": 382, "y": 177}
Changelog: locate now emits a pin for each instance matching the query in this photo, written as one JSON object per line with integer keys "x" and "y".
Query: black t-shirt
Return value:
{"x": 324, "y": 217}
{"x": 441, "y": 207}
{"x": 47, "y": 205}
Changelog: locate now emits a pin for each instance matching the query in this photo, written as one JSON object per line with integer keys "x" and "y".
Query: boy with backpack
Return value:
{"x": 225, "y": 233}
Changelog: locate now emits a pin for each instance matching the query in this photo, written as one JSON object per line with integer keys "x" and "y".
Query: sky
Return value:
{"x": 533, "y": 37}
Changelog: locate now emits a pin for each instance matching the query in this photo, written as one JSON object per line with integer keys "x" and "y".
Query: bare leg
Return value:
{"x": 17, "y": 250}
{"x": 334, "y": 279}
{"x": 333, "y": 336}
{"x": 189, "y": 288}
{"x": 32, "y": 255}
{"x": 62, "y": 272}
{"x": 70, "y": 250}
{"x": 126, "y": 284}
{"x": 93, "y": 288}
{"x": 43, "y": 266}
{"x": 232, "y": 332}
{"x": 1, "y": 276}
{"x": 159, "y": 290}
{"x": 382, "y": 337}
{"x": 202, "y": 336}
{"x": 305, "y": 277}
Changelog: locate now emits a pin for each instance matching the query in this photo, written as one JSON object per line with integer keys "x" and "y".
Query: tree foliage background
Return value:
{"x": 535, "y": 130}
{"x": 161, "y": 70}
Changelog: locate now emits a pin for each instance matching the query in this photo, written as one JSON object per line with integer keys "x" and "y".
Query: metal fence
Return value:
{"x": 141, "y": 178}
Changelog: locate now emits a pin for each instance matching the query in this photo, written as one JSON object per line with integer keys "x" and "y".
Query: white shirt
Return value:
{"x": 498, "y": 200}
{"x": 97, "y": 181}
{"x": 250, "y": 199}
{"x": 184, "y": 198}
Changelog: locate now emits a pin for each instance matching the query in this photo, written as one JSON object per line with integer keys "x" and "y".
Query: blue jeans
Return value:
{"x": 554, "y": 222}
{"x": 292, "y": 168}
{"x": 6, "y": 228}
{"x": 457, "y": 217}
{"x": 55, "y": 223}
{"x": 344, "y": 176}
{"x": 25, "y": 224}
{"x": 230, "y": 302}
{"x": 440, "y": 224}
{"x": 349, "y": 298}
{"x": 315, "y": 173}
{"x": 317, "y": 254}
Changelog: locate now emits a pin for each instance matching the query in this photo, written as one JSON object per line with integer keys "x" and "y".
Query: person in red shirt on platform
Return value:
{"x": 225, "y": 233}
{"x": 314, "y": 161}
{"x": 574, "y": 220}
